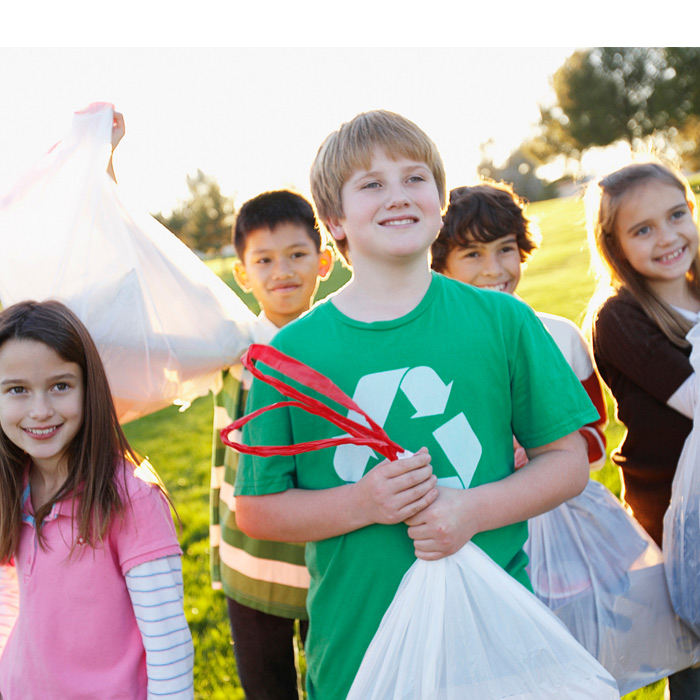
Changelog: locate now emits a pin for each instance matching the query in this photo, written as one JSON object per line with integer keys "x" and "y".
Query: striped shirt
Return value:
{"x": 267, "y": 576}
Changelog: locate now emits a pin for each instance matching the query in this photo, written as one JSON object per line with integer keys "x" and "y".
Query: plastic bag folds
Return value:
{"x": 164, "y": 323}
{"x": 602, "y": 574}
{"x": 681, "y": 538}
{"x": 461, "y": 628}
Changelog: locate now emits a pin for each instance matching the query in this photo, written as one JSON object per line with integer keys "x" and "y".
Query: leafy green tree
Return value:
{"x": 518, "y": 171}
{"x": 202, "y": 221}
{"x": 605, "y": 95}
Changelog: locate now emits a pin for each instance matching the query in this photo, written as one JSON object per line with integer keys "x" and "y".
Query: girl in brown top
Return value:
{"x": 644, "y": 243}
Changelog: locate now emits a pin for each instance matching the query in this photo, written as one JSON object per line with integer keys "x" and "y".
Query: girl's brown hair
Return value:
{"x": 96, "y": 455}
{"x": 612, "y": 270}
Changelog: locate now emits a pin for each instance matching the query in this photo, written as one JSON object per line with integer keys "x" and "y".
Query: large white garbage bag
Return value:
{"x": 681, "y": 539}
{"x": 461, "y": 627}
{"x": 164, "y": 323}
{"x": 603, "y": 576}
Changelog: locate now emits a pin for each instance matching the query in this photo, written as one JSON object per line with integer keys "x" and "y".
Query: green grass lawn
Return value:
{"x": 179, "y": 444}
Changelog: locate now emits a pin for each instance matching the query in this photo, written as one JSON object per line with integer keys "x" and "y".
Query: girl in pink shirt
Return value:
{"x": 89, "y": 532}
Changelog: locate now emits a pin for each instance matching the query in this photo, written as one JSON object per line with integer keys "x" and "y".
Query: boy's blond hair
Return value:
{"x": 350, "y": 148}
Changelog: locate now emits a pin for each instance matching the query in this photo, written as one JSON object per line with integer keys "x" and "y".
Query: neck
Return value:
{"x": 370, "y": 296}
{"x": 44, "y": 484}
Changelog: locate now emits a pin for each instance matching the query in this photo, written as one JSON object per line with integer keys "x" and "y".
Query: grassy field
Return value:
{"x": 179, "y": 444}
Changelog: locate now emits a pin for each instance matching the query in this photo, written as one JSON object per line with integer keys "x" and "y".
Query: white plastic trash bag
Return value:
{"x": 461, "y": 628}
{"x": 602, "y": 574}
{"x": 164, "y": 323}
{"x": 681, "y": 538}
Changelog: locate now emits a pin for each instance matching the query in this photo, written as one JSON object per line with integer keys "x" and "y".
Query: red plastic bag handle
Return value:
{"x": 372, "y": 435}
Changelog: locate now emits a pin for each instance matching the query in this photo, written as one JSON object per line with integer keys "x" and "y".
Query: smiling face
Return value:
{"x": 493, "y": 265}
{"x": 41, "y": 402}
{"x": 281, "y": 268}
{"x": 657, "y": 234}
{"x": 391, "y": 211}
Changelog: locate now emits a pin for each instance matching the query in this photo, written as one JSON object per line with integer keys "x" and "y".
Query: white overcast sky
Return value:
{"x": 253, "y": 111}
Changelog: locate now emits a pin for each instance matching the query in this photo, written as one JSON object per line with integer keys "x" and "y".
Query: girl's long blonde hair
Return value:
{"x": 612, "y": 270}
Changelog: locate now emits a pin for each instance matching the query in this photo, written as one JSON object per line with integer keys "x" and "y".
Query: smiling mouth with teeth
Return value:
{"x": 672, "y": 256}
{"x": 41, "y": 431}
{"x": 399, "y": 222}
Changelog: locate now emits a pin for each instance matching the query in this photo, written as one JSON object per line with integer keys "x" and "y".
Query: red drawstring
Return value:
{"x": 372, "y": 435}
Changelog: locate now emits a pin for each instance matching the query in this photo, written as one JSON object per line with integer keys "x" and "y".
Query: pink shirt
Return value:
{"x": 76, "y": 636}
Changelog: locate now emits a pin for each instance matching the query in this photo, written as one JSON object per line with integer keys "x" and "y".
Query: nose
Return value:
{"x": 41, "y": 408}
{"x": 397, "y": 197}
{"x": 491, "y": 266}
{"x": 667, "y": 234}
{"x": 282, "y": 268}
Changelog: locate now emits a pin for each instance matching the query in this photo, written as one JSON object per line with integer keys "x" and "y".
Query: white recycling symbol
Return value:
{"x": 428, "y": 395}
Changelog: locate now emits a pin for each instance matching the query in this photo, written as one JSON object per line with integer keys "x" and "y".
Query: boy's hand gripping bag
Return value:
{"x": 459, "y": 627}
{"x": 603, "y": 576}
{"x": 165, "y": 325}
{"x": 681, "y": 538}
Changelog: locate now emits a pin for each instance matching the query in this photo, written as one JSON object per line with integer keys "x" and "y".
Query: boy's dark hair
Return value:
{"x": 484, "y": 213}
{"x": 270, "y": 209}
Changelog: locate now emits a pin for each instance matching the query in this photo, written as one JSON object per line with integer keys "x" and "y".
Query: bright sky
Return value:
{"x": 253, "y": 113}
{"x": 254, "y": 117}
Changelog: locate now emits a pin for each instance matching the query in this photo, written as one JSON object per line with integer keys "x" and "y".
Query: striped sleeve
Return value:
{"x": 228, "y": 404}
{"x": 156, "y": 592}
{"x": 9, "y": 602}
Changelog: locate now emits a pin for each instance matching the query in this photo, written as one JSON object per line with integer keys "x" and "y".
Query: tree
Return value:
{"x": 518, "y": 171}
{"x": 604, "y": 95}
{"x": 203, "y": 221}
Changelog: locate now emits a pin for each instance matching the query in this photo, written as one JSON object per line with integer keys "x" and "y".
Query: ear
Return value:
{"x": 240, "y": 275}
{"x": 691, "y": 205}
{"x": 325, "y": 263}
{"x": 336, "y": 228}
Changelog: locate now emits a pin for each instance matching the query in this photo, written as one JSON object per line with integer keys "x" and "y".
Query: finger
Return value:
{"x": 414, "y": 484}
{"x": 403, "y": 466}
{"x": 416, "y": 506}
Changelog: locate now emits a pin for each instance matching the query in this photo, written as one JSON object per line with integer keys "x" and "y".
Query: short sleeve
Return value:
{"x": 263, "y": 475}
{"x": 145, "y": 531}
{"x": 549, "y": 401}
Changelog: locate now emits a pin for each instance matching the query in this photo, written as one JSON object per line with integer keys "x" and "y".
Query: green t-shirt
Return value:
{"x": 460, "y": 374}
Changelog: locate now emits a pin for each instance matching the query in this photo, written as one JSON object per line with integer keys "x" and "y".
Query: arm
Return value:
{"x": 627, "y": 341}
{"x": 156, "y": 592}
{"x": 9, "y": 602}
{"x": 555, "y": 472}
{"x": 118, "y": 131}
{"x": 389, "y": 493}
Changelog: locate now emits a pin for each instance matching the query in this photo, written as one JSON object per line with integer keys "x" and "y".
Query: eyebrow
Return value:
{"x": 299, "y": 244}
{"x": 52, "y": 380}
{"x": 374, "y": 173}
{"x": 681, "y": 205}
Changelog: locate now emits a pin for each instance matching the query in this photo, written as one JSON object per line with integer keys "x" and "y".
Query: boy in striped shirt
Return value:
{"x": 281, "y": 258}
